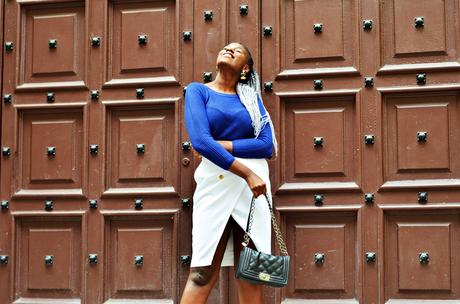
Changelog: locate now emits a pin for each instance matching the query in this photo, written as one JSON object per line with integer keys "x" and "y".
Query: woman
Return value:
{"x": 229, "y": 126}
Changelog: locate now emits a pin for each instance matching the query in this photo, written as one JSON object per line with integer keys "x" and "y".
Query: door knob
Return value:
{"x": 318, "y": 28}
{"x": 319, "y": 258}
{"x": 318, "y": 142}
{"x": 51, "y": 151}
{"x": 138, "y": 203}
{"x": 49, "y": 260}
{"x": 268, "y": 30}
{"x": 424, "y": 257}
{"x": 244, "y": 8}
{"x": 138, "y": 260}
{"x": 52, "y": 43}
{"x": 140, "y": 148}
{"x": 319, "y": 199}
{"x": 422, "y": 136}
{"x": 419, "y": 22}
{"x": 142, "y": 39}
{"x": 207, "y": 15}
{"x": 371, "y": 257}
{"x": 92, "y": 258}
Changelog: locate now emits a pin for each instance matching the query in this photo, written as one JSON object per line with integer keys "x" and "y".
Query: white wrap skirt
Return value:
{"x": 220, "y": 194}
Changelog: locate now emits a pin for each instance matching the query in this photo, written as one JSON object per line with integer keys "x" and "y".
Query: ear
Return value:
{"x": 246, "y": 68}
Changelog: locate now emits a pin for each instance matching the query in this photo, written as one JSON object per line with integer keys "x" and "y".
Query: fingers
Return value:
{"x": 259, "y": 189}
{"x": 257, "y": 185}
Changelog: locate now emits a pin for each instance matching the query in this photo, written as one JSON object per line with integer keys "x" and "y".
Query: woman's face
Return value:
{"x": 233, "y": 55}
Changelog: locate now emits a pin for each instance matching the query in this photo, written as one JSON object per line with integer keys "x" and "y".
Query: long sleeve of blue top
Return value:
{"x": 212, "y": 116}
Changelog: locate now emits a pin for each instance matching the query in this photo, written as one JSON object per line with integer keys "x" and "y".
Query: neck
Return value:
{"x": 226, "y": 81}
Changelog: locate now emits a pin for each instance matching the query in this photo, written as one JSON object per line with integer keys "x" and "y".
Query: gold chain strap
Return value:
{"x": 278, "y": 235}
{"x": 246, "y": 236}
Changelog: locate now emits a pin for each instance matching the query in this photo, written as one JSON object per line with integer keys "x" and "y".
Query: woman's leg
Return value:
{"x": 201, "y": 280}
{"x": 247, "y": 292}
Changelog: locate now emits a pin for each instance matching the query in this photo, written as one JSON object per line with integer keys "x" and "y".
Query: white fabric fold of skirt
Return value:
{"x": 220, "y": 194}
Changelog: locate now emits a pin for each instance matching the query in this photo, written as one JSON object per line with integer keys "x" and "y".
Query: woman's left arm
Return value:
{"x": 260, "y": 147}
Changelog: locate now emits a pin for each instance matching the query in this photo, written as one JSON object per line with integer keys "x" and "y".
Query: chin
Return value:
{"x": 224, "y": 63}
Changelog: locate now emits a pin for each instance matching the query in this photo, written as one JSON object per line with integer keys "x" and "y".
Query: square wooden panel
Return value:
{"x": 42, "y": 239}
{"x": 149, "y": 240}
{"x": 214, "y": 35}
{"x": 405, "y": 42}
{"x": 409, "y": 239}
{"x": 51, "y": 152}
{"x": 142, "y": 145}
{"x": 333, "y": 236}
{"x": 330, "y": 120}
{"x": 64, "y": 24}
{"x": 305, "y": 49}
{"x": 132, "y": 56}
{"x": 419, "y": 137}
{"x": 238, "y": 26}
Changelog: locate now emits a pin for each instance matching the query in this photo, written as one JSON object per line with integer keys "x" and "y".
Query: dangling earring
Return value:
{"x": 243, "y": 75}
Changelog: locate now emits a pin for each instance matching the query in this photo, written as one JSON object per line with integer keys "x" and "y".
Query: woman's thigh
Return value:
{"x": 247, "y": 292}
{"x": 238, "y": 236}
{"x": 204, "y": 275}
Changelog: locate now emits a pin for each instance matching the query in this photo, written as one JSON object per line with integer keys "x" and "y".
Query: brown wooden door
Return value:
{"x": 95, "y": 170}
{"x": 366, "y": 96}
{"x": 94, "y": 181}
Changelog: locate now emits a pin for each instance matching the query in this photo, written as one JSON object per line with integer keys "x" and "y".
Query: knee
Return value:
{"x": 201, "y": 276}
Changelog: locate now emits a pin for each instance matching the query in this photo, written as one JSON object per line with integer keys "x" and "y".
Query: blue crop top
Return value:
{"x": 211, "y": 115}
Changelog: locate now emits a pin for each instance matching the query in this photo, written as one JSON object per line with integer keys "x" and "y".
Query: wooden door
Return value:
{"x": 97, "y": 171}
{"x": 366, "y": 100}
{"x": 94, "y": 179}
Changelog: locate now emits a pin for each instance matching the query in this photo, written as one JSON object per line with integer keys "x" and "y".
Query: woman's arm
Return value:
{"x": 260, "y": 147}
{"x": 255, "y": 183}
{"x": 198, "y": 129}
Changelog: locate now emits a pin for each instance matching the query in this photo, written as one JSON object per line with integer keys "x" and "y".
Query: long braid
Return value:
{"x": 248, "y": 93}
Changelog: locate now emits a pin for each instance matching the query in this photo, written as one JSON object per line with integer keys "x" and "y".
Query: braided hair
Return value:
{"x": 248, "y": 90}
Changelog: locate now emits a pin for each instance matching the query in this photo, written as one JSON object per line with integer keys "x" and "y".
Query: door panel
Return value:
{"x": 420, "y": 141}
{"x": 210, "y": 36}
{"x": 245, "y": 28}
{"x": 49, "y": 257}
{"x": 140, "y": 259}
{"x": 319, "y": 141}
{"x": 325, "y": 250}
{"x": 421, "y": 255}
{"x": 423, "y": 30}
{"x": 51, "y": 156}
{"x": 407, "y": 122}
{"x": 318, "y": 35}
{"x": 53, "y": 37}
{"x": 142, "y": 36}
{"x": 142, "y": 146}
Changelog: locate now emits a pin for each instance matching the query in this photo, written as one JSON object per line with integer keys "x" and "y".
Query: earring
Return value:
{"x": 243, "y": 75}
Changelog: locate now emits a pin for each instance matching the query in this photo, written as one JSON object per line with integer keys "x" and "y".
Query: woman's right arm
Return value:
{"x": 255, "y": 183}
{"x": 197, "y": 124}
{"x": 198, "y": 128}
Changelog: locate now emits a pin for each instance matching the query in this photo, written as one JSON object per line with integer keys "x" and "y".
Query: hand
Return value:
{"x": 227, "y": 144}
{"x": 256, "y": 184}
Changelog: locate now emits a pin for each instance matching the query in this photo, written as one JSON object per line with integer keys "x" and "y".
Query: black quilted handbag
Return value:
{"x": 261, "y": 268}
